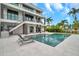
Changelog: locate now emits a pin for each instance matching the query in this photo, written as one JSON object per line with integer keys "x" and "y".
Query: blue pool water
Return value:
{"x": 50, "y": 39}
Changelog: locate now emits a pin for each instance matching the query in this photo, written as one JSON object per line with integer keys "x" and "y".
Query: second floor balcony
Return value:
{"x": 32, "y": 20}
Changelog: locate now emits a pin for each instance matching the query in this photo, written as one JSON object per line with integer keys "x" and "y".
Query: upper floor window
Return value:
{"x": 13, "y": 15}
{"x": 28, "y": 17}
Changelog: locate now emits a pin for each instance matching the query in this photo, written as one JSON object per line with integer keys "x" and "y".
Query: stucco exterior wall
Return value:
{"x": 42, "y": 28}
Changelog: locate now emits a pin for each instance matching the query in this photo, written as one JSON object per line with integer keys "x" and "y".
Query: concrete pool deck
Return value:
{"x": 10, "y": 47}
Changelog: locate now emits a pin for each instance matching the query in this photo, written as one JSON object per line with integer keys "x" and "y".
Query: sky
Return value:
{"x": 57, "y": 11}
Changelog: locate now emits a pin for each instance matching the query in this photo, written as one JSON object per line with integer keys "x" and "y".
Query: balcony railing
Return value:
{"x": 39, "y": 22}
{"x": 29, "y": 20}
{"x": 32, "y": 20}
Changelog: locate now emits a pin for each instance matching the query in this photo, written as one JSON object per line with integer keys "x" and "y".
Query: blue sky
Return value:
{"x": 58, "y": 11}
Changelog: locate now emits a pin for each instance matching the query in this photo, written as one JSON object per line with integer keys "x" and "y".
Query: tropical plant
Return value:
{"x": 62, "y": 24}
{"x": 73, "y": 12}
{"x": 54, "y": 28}
{"x": 75, "y": 25}
{"x": 49, "y": 20}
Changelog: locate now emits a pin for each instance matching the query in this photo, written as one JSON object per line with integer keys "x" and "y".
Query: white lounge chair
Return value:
{"x": 25, "y": 39}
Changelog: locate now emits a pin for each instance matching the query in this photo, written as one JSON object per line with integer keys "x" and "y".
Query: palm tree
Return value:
{"x": 49, "y": 20}
{"x": 62, "y": 23}
{"x": 73, "y": 12}
{"x": 75, "y": 25}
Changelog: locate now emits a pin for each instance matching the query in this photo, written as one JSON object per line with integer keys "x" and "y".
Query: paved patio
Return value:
{"x": 10, "y": 47}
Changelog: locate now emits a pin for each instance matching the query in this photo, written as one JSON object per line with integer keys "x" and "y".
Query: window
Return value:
{"x": 9, "y": 16}
{"x": 38, "y": 28}
{"x": 13, "y": 15}
{"x": 28, "y": 17}
{"x": 31, "y": 29}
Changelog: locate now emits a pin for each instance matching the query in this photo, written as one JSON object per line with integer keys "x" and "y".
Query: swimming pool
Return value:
{"x": 50, "y": 39}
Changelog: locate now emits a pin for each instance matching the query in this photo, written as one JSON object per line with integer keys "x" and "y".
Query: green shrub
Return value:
{"x": 49, "y": 29}
{"x": 54, "y": 29}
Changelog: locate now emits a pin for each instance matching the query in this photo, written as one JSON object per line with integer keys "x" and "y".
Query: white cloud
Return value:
{"x": 45, "y": 13}
{"x": 48, "y": 10}
{"x": 57, "y": 6}
{"x": 48, "y": 6}
{"x": 65, "y": 11}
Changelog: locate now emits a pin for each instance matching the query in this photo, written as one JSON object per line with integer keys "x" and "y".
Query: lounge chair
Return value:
{"x": 25, "y": 39}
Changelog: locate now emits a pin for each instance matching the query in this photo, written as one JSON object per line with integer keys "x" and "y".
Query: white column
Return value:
{"x": 20, "y": 16}
{"x": 0, "y": 21}
{"x": 20, "y": 5}
{"x": 34, "y": 28}
{"x": 28, "y": 29}
{"x": 5, "y": 13}
{"x": 34, "y": 18}
{"x": 0, "y": 10}
{"x": 42, "y": 28}
{"x": 20, "y": 13}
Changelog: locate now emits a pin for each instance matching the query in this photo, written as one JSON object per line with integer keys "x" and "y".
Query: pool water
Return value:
{"x": 50, "y": 39}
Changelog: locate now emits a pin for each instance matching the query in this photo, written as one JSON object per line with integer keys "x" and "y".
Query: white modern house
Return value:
{"x": 20, "y": 18}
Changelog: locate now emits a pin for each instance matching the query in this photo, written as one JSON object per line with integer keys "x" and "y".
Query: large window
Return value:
{"x": 38, "y": 28}
{"x": 13, "y": 15}
{"x": 28, "y": 18}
